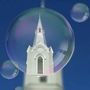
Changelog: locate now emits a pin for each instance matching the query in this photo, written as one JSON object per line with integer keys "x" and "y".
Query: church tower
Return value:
{"x": 40, "y": 65}
{"x": 39, "y": 56}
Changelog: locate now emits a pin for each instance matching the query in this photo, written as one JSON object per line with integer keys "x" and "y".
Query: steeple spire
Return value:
{"x": 39, "y": 26}
{"x": 39, "y": 56}
{"x": 39, "y": 33}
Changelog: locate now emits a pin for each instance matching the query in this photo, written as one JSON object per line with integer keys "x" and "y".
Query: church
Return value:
{"x": 40, "y": 66}
{"x": 39, "y": 56}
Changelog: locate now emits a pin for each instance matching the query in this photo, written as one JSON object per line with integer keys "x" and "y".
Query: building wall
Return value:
{"x": 32, "y": 60}
{"x": 53, "y": 81}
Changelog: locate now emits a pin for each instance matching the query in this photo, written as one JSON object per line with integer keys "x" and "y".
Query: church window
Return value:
{"x": 40, "y": 65}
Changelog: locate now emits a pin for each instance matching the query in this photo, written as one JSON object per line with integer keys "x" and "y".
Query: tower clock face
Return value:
{"x": 58, "y": 34}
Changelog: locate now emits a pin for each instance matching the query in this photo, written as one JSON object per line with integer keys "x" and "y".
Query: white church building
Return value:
{"x": 39, "y": 56}
{"x": 40, "y": 65}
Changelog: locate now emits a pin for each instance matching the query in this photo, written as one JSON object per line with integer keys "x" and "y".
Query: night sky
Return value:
{"x": 76, "y": 74}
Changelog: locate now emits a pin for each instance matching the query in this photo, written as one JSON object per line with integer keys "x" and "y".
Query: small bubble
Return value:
{"x": 8, "y": 70}
{"x": 19, "y": 88}
{"x": 80, "y": 12}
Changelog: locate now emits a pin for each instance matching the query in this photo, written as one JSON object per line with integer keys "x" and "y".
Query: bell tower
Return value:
{"x": 39, "y": 56}
{"x": 39, "y": 71}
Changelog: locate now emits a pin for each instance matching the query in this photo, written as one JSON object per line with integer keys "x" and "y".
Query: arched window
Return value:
{"x": 40, "y": 65}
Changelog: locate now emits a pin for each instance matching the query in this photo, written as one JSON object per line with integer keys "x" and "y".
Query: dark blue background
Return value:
{"x": 77, "y": 72}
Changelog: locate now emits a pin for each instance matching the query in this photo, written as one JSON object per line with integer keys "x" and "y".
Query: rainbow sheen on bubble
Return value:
{"x": 8, "y": 70}
{"x": 58, "y": 34}
{"x": 80, "y": 12}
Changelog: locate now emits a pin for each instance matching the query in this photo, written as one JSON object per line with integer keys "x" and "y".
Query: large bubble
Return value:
{"x": 58, "y": 34}
{"x": 80, "y": 12}
{"x": 8, "y": 70}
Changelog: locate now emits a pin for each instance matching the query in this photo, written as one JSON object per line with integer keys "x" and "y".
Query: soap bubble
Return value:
{"x": 58, "y": 34}
{"x": 19, "y": 88}
{"x": 8, "y": 70}
{"x": 80, "y": 12}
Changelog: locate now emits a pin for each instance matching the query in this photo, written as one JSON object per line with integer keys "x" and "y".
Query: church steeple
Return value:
{"x": 39, "y": 26}
{"x": 39, "y": 56}
{"x": 39, "y": 33}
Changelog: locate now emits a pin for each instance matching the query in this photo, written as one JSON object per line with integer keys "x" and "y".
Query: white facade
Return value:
{"x": 39, "y": 56}
{"x": 40, "y": 65}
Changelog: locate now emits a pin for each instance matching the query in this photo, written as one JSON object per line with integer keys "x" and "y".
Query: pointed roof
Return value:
{"x": 39, "y": 33}
{"x": 39, "y": 26}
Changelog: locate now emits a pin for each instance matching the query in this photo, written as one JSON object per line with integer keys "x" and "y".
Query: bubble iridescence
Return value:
{"x": 80, "y": 12}
{"x": 58, "y": 34}
{"x": 8, "y": 70}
